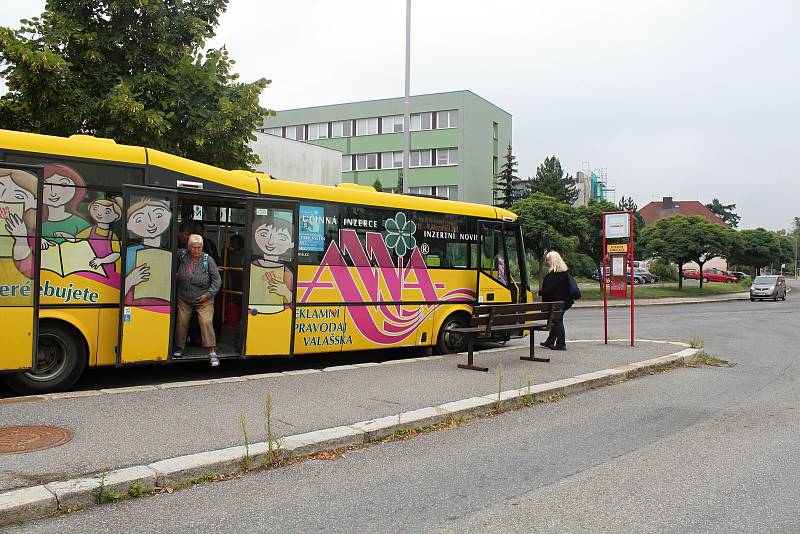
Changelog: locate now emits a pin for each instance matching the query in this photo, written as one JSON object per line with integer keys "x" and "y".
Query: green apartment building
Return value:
{"x": 458, "y": 140}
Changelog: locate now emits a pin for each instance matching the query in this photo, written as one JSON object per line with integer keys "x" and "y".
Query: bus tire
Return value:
{"x": 61, "y": 362}
{"x": 447, "y": 343}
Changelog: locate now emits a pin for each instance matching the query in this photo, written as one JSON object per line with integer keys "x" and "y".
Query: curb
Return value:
{"x": 655, "y": 301}
{"x": 40, "y": 501}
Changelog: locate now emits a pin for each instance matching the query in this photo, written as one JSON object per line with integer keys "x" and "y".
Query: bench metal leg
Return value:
{"x": 532, "y": 357}
{"x": 469, "y": 365}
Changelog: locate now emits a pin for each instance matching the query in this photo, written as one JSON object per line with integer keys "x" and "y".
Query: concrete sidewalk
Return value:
{"x": 132, "y": 426}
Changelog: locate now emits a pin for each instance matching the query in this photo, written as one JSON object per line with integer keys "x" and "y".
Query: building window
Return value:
{"x": 367, "y": 126}
{"x": 494, "y": 131}
{"x": 366, "y": 162}
{"x": 393, "y": 124}
{"x": 494, "y": 166}
{"x": 391, "y": 160}
{"x": 424, "y": 190}
{"x": 298, "y": 133}
{"x": 274, "y": 131}
{"x": 342, "y": 129}
{"x": 450, "y": 192}
{"x": 421, "y": 121}
{"x": 447, "y": 119}
{"x": 347, "y": 163}
{"x": 318, "y": 131}
{"x": 420, "y": 158}
{"x": 446, "y": 156}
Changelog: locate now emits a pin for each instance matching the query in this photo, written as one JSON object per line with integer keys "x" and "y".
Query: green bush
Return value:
{"x": 664, "y": 270}
{"x": 581, "y": 265}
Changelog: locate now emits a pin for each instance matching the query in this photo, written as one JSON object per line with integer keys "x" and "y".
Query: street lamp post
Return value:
{"x": 407, "y": 112}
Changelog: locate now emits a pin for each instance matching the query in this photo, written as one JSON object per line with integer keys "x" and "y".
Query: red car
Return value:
{"x": 710, "y": 275}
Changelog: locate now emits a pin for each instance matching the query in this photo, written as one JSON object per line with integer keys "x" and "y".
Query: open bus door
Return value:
{"x": 495, "y": 281}
{"x": 20, "y": 260}
{"x": 147, "y": 295}
{"x": 270, "y": 277}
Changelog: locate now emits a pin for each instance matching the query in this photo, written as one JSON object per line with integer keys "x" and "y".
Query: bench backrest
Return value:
{"x": 489, "y": 315}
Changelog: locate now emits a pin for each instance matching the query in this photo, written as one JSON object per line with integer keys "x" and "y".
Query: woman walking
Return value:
{"x": 198, "y": 283}
{"x": 558, "y": 285}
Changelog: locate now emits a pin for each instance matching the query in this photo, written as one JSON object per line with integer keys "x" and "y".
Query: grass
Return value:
{"x": 671, "y": 290}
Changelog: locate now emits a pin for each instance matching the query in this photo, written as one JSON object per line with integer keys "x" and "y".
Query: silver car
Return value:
{"x": 768, "y": 287}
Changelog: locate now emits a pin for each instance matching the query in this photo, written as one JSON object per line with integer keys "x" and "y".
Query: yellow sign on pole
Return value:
{"x": 621, "y": 247}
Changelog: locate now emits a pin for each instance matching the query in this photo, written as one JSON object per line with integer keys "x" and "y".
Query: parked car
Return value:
{"x": 768, "y": 287}
{"x": 646, "y": 276}
{"x": 738, "y": 274}
{"x": 710, "y": 275}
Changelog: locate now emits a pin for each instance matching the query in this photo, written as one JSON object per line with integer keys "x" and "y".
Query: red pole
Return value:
{"x": 632, "y": 256}
{"x": 603, "y": 279}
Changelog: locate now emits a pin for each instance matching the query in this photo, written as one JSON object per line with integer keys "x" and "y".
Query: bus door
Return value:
{"x": 517, "y": 269}
{"x": 147, "y": 296}
{"x": 20, "y": 257}
{"x": 494, "y": 279}
{"x": 270, "y": 277}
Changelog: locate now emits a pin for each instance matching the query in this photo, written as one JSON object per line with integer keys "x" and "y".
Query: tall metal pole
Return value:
{"x": 407, "y": 112}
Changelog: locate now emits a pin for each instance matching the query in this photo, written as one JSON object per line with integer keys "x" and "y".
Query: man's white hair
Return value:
{"x": 195, "y": 238}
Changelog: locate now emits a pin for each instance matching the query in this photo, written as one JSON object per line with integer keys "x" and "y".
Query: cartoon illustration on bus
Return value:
{"x": 271, "y": 280}
{"x": 148, "y": 263}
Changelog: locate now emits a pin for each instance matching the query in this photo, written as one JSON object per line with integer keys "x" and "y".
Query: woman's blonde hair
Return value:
{"x": 557, "y": 263}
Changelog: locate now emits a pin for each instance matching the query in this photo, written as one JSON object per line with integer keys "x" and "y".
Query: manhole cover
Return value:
{"x": 16, "y": 439}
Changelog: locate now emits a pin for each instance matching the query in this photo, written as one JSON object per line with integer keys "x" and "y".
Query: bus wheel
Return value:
{"x": 449, "y": 343}
{"x": 60, "y": 362}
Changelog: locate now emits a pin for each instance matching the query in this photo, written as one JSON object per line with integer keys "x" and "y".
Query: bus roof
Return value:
{"x": 85, "y": 146}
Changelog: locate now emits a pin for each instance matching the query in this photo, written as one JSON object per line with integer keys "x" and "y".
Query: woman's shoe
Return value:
{"x": 177, "y": 355}
{"x": 213, "y": 360}
{"x": 546, "y": 345}
{"x": 559, "y": 347}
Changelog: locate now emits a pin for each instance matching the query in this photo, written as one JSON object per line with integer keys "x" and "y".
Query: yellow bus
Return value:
{"x": 97, "y": 227}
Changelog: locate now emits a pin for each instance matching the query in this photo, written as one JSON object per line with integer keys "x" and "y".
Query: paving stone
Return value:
{"x": 25, "y": 504}
{"x": 319, "y": 440}
{"x": 262, "y": 376}
{"x": 302, "y": 372}
{"x": 81, "y": 492}
{"x": 471, "y": 406}
{"x": 130, "y": 389}
{"x": 182, "y": 468}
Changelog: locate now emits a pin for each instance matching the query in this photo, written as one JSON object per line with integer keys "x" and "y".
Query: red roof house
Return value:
{"x": 654, "y": 211}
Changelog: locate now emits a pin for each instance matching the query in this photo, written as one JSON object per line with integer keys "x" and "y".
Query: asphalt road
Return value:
{"x": 708, "y": 449}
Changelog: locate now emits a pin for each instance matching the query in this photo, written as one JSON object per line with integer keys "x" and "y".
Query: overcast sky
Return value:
{"x": 686, "y": 98}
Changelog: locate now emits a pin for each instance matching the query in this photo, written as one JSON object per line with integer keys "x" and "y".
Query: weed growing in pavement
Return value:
{"x": 527, "y": 399}
{"x": 103, "y": 494}
{"x": 500, "y": 377}
{"x": 696, "y": 342}
{"x": 273, "y": 443}
{"x": 406, "y": 433}
{"x": 136, "y": 489}
{"x": 62, "y": 510}
{"x": 247, "y": 461}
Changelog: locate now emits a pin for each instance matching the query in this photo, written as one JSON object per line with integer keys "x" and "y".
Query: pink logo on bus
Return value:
{"x": 378, "y": 281}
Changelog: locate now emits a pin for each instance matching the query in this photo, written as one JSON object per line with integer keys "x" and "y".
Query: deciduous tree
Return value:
{"x": 136, "y": 72}
{"x": 682, "y": 239}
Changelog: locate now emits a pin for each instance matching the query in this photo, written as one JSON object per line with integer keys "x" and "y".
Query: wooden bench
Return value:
{"x": 488, "y": 320}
